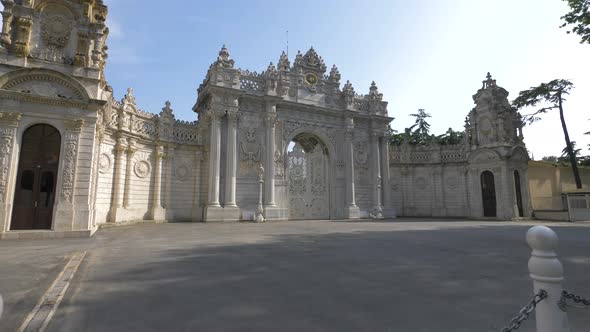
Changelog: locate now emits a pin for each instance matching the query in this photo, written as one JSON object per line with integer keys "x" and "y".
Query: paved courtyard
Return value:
{"x": 407, "y": 275}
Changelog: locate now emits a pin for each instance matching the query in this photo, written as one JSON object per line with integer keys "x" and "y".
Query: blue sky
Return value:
{"x": 430, "y": 54}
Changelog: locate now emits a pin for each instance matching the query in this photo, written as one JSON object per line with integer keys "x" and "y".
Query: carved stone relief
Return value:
{"x": 142, "y": 168}
{"x": 69, "y": 168}
{"x": 420, "y": 183}
{"x": 5, "y": 152}
{"x": 104, "y": 163}
{"x": 250, "y": 147}
{"x": 182, "y": 169}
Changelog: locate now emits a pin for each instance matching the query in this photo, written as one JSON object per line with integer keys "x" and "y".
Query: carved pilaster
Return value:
{"x": 130, "y": 151}
{"x": 157, "y": 211}
{"x": 72, "y": 142}
{"x": 8, "y": 124}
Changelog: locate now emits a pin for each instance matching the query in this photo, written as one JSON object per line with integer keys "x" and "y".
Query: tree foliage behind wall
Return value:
{"x": 419, "y": 133}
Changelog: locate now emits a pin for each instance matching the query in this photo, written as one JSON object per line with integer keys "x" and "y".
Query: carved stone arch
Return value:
{"x": 484, "y": 156}
{"x": 53, "y": 5}
{"x": 519, "y": 154}
{"x": 45, "y": 83}
{"x": 310, "y": 130}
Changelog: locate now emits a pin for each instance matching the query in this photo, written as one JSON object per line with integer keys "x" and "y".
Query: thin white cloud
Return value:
{"x": 115, "y": 29}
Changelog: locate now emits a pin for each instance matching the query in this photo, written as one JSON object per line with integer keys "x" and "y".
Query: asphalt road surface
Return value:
{"x": 406, "y": 275}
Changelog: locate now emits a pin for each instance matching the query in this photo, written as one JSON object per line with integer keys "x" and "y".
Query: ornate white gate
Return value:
{"x": 308, "y": 183}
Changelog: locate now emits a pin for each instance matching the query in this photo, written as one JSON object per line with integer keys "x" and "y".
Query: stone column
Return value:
{"x": 118, "y": 179}
{"x": 270, "y": 120}
{"x": 388, "y": 209}
{"x": 231, "y": 160}
{"x": 127, "y": 190}
{"x": 7, "y": 16}
{"x": 213, "y": 210}
{"x": 158, "y": 213}
{"x": 98, "y": 45}
{"x": 214, "y": 159}
{"x": 23, "y": 27}
{"x": 169, "y": 159}
{"x": 351, "y": 211}
{"x": 376, "y": 175}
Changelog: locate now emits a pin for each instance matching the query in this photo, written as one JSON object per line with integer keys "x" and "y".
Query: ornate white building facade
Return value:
{"x": 72, "y": 157}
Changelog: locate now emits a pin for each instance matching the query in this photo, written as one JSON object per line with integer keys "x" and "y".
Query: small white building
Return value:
{"x": 72, "y": 157}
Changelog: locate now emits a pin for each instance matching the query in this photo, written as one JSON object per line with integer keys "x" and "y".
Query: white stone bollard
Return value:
{"x": 1, "y": 306}
{"x": 547, "y": 273}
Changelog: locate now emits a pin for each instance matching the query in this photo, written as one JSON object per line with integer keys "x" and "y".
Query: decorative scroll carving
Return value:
{"x": 6, "y": 139}
{"x": 69, "y": 167}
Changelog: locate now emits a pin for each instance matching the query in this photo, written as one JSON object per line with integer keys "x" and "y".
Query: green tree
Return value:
{"x": 579, "y": 18}
{"x": 551, "y": 94}
{"x": 451, "y": 137}
{"x": 421, "y": 128}
{"x": 577, "y": 152}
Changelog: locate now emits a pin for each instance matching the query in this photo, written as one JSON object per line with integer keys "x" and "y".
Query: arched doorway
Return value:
{"x": 518, "y": 193}
{"x": 488, "y": 191}
{"x": 308, "y": 178}
{"x": 36, "y": 178}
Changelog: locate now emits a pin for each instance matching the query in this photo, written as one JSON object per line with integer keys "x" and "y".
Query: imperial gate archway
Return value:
{"x": 308, "y": 178}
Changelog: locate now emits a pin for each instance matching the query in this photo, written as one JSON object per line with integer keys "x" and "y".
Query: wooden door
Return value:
{"x": 36, "y": 181}
{"x": 518, "y": 194}
{"x": 488, "y": 190}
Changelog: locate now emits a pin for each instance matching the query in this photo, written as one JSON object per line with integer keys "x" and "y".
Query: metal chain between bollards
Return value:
{"x": 525, "y": 312}
{"x": 583, "y": 303}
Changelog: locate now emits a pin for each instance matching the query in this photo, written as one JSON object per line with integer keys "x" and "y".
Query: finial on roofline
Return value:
{"x": 489, "y": 82}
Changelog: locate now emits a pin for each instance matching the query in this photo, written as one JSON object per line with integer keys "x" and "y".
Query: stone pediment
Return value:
{"x": 44, "y": 83}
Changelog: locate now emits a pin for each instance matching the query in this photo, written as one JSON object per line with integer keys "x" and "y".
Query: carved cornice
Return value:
{"x": 37, "y": 99}
{"x": 10, "y": 119}
{"x": 74, "y": 124}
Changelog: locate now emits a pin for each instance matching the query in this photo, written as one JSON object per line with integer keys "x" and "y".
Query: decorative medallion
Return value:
{"x": 311, "y": 79}
{"x": 142, "y": 169}
{"x": 452, "y": 182}
{"x": 104, "y": 163}
{"x": 420, "y": 183}
{"x": 181, "y": 172}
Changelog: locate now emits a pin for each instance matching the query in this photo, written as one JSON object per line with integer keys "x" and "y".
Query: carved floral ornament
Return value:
{"x": 56, "y": 30}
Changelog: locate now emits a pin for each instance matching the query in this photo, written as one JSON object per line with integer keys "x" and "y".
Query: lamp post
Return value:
{"x": 259, "y": 215}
